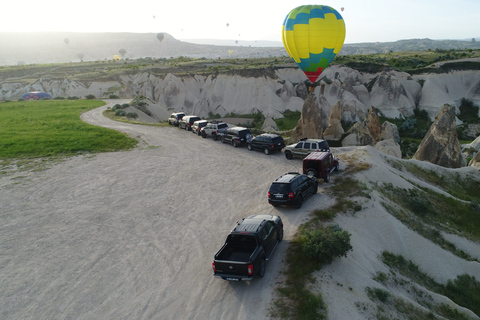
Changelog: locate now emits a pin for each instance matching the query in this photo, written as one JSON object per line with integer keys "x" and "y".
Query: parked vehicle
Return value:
{"x": 267, "y": 142}
{"x": 214, "y": 130}
{"x": 198, "y": 125}
{"x": 187, "y": 122}
{"x": 247, "y": 248}
{"x": 320, "y": 165}
{"x": 175, "y": 118}
{"x": 292, "y": 189}
{"x": 304, "y": 147}
{"x": 236, "y": 136}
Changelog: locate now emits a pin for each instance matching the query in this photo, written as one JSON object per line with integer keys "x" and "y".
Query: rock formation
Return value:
{"x": 334, "y": 130}
{"x": 475, "y": 162}
{"x": 440, "y": 145}
{"x": 389, "y": 147}
{"x": 269, "y": 125}
{"x": 390, "y": 131}
{"x": 310, "y": 123}
{"x": 367, "y": 132}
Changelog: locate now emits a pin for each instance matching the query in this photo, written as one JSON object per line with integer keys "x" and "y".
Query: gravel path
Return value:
{"x": 131, "y": 235}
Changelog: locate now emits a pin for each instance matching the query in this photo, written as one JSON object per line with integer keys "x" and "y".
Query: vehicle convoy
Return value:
{"x": 247, "y": 248}
{"x": 237, "y": 136}
{"x": 268, "y": 142}
{"x": 214, "y": 129}
{"x": 304, "y": 147}
{"x": 320, "y": 165}
{"x": 291, "y": 189}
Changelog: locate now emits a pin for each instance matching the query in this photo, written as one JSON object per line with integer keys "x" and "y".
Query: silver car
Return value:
{"x": 304, "y": 147}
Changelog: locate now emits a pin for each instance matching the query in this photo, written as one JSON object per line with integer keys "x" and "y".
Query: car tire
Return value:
{"x": 311, "y": 172}
{"x": 327, "y": 178}
{"x": 215, "y": 137}
{"x": 288, "y": 155}
{"x": 280, "y": 235}
{"x": 262, "y": 267}
{"x": 223, "y": 139}
{"x": 299, "y": 202}
{"x": 267, "y": 151}
{"x": 234, "y": 143}
{"x": 337, "y": 167}
{"x": 315, "y": 189}
{"x": 249, "y": 147}
{"x": 204, "y": 135}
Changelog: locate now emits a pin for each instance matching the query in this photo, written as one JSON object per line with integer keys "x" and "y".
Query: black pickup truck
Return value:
{"x": 247, "y": 248}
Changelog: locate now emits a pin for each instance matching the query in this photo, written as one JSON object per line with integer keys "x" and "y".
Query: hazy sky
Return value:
{"x": 379, "y": 20}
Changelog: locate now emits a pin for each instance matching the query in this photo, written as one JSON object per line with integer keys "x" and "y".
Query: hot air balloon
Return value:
{"x": 116, "y": 57}
{"x": 342, "y": 9}
{"x": 80, "y": 55}
{"x": 66, "y": 40}
{"x": 313, "y": 35}
{"x": 230, "y": 51}
{"x": 36, "y": 95}
{"x": 122, "y": 51}
{"x": 228, "y": 24}
{"x": 160, "y": 36}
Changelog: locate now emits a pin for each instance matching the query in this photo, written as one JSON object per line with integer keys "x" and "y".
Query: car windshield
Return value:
{"x": 277, "y": 140}
{"x": 222, "y": 125}
{"x": 280, "y": 188}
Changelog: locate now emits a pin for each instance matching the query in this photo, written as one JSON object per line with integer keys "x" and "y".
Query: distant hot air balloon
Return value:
{"x": 160, "y": 36}
{"x": 228, "y": 24}
{"x": 236, "y": 41}
{"x": 342, "y": 9}
{"x": 80, "y": 55}
{"x": 122, "y": 51}
{"x": 36, "y": 95}
{"x": 66, "y": 40}
{"x": 153, "y": 17}
{"x": 116, "y": 57}
{"x": 313, "y": 35}
{"x": 230, "y": 51}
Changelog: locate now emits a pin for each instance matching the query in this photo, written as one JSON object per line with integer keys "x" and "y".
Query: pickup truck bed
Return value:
{"x": 235, "y": 252}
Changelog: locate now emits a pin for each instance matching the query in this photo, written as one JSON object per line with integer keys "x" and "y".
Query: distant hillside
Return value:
{"x": 50, "y": 47}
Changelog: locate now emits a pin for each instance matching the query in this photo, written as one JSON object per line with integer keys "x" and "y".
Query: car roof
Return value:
{"x": 252, "y": 223}
{"x": 317, "y": 155}
{"x": 287, "y": 177}
{"x": 270, "y": 135}
{"x": 199, "y": 121}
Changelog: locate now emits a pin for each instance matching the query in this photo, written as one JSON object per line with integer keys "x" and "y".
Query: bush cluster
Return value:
{"x": 324, "y": 244}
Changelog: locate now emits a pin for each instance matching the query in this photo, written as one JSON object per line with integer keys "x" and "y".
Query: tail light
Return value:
{"x": 213, "y": 266}
{"x": 250, "y": 270}
{"x": 218, "y": 131}
{"x": 290, "y": 195}
{"x": 269, "y": 196}
{"x": 272, "y": 146}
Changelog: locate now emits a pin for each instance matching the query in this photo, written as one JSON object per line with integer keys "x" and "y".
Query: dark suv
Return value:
{"x": 237, "y": 136}
{"x": 291, "y": 189}
{"x": 267, "y": 142}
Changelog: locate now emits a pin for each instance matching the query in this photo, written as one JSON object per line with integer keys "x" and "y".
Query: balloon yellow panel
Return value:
{"x": 313, "y": 35}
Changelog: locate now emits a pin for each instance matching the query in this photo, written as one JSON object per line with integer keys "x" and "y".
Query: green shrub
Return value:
{"x": 90, "y": 97}
{"x": 120, "y": 113}
{"x": 378, "y": 294}
{"x": 113, "y": 96}
{"x": 132, "y": 115}
{"x": 73, "y": 98}
{"x": 324, "y": 244}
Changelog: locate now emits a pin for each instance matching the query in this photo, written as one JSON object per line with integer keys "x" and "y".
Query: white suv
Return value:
{"x": 304, "y": 147}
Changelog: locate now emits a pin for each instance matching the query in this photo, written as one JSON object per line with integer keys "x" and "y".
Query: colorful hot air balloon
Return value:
{"x": 122, "y": 52}
{"x": 116, "y": 57}
{"x": 313, "y": 35}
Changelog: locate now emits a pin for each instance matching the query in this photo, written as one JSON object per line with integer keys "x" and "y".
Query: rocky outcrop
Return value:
{"x": 389, "y": 147}
{"x": 270, "y": 91}
{"x": 334, "y": 130}
{"x": 390, "y": 131}
{"x": 365, "y": 133}
{"x": 310, "y": 123}
{"x": 440, "y": 145}
{"x": 475, "y": 162}
{"x": 269, "y": 125}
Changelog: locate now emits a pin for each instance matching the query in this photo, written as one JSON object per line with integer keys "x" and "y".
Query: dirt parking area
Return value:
{"x": 131, "y": 235}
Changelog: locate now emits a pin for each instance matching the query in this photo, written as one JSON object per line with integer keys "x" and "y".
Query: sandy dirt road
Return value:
{"x": 131, "y": 235}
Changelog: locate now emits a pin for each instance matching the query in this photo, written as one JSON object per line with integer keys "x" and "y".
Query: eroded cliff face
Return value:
{"x": 393, "y": 93}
